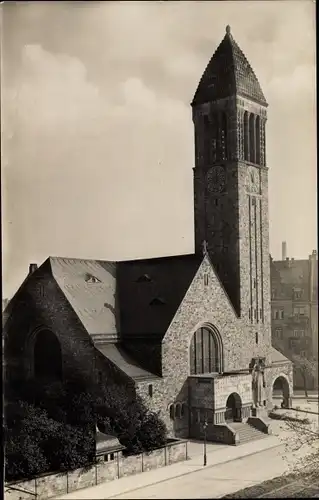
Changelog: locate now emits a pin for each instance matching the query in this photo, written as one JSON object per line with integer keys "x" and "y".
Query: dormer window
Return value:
{"x": 89, "y": 278}
{"x": 158, "y": 301}
{"x": 144, "y": 278}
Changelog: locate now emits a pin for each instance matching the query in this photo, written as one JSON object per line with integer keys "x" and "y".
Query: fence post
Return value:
{"x": 35, "y": 488}
{"x": 95, "y": 474}
{"x": 67, "y": 482}
{"x": 186, "y": 450}
{"x": 165, "y": 455}
{"x": 118, "y": 465}
{"x": 142, "y": 454}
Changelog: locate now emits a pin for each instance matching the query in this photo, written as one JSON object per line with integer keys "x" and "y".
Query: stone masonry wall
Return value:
{"x": 40, "y": 303}
{"x": 59, "y": 484}
{"x": 224, "y": 386}
{"x": 202, "y": 304}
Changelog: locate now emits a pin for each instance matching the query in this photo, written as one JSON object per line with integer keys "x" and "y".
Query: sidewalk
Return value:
{"x": 220, "y": 455}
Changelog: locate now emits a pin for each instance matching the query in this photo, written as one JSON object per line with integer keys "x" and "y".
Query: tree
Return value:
{"x": 308, "y": 368}
{"x": 302, "y": 442}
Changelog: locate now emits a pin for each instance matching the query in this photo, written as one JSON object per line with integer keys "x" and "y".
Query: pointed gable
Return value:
{"x": 228, "y": 73}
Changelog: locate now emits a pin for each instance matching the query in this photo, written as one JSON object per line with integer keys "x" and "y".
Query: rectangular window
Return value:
{"x": 205, "y": 279}
{"x": 106, "y": 458}
{"x": 112, "y": 456}
{"x": 302, "y": 354}
{"x": 278, "y": 333}
{"x": 150, "y": 390}
{"x": 249, "y": 313}
{"x": 298, "y": 311}
{"x": 281, "y": 314}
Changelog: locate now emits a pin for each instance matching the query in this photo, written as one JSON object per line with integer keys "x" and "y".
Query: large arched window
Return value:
{"x": 47, "y": 356}
{"x": 252, "y": 139}
{"x": 258, "y": 138}
{"x": 246, "y": 136}
{"x": 205, "y": 352}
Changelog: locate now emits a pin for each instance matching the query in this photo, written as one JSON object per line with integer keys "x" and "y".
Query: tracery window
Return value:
{"x": 252, "y": 139}
{"x": 246, "y": 136}
{"x": 258, "y": 138}
{"x": 204, "y": 352}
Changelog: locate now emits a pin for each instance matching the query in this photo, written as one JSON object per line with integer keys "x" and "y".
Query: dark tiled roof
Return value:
{"x": 122, "y": 360}
{"x": 106, "y": 443}
{"x": 93, "y": 302}
{"x": 228, "y": 73}
{"x": 148, "y": 307}
{"x": 277, "y": 357}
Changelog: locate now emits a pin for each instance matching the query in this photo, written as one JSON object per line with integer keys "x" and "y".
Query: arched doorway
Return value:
{"x": 281, "y": 390}
{"x": 47, "y": 357}
{"x": 233, "y": 408}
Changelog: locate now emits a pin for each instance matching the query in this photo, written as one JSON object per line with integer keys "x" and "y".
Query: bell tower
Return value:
{"x": 231, "y": 180}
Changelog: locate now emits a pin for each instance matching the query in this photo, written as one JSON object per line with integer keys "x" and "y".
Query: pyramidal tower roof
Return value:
{"x": 228, "y": 73}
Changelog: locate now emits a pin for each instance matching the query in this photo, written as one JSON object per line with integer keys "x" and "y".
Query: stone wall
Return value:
{"x": 226, "y": 385}
{"x": 40, "y": 303}
{"x": 60, "y": 484}
{"x": 202, "y": 304}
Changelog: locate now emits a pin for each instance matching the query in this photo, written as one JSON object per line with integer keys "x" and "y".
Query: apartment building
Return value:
{"x": 294, "y": 309}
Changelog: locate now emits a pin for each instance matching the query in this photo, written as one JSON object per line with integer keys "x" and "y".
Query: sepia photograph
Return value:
{"x": 159, "y": 249}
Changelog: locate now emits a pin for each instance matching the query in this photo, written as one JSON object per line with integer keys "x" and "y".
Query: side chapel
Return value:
{"x": 191, "y": 333}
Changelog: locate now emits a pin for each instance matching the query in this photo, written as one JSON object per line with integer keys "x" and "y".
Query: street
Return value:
{"x": 216, "y": 481}
{"x": 242, "y": 466}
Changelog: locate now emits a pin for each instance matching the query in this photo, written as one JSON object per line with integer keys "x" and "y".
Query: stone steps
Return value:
{"x": 247, "y": 433}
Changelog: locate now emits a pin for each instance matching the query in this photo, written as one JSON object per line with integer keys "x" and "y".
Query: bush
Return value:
{"x": 35, "y": 443}
{"x": 288, "y": 418}
{"x": 57, "y": 422}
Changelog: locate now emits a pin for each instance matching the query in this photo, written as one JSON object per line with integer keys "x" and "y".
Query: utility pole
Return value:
{"x": 205, "y": 454}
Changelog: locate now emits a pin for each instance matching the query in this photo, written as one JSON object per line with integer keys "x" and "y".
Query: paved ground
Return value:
{"x": 229, "y": 469}
{"x": 286, "y": 486}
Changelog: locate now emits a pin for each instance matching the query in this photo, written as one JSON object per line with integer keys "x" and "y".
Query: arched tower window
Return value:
{"x": 246, "y": 136}
{"x": 205, "y": 352}
{"x": 258, "y": 139}
{"x": 223, "y": 136}
{"x": 214, "y": 137}
{"x": 47, "y": 356}
{"x": 252, "y": 139}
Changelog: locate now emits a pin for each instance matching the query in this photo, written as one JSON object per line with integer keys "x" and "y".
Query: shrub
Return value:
{"x": 60, "y": 422}
{"x": 36, "y": 443}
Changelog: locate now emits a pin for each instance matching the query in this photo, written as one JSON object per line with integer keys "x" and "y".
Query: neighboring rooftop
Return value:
{"x": 228, "y": 73}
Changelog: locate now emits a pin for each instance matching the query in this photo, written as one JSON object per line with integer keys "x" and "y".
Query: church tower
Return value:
{"x": 231, "y": 181}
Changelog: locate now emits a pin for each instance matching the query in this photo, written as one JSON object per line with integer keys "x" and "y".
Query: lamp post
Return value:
{"x": 205, "y": 424}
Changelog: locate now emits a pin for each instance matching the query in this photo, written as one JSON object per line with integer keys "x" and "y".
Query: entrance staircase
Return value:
{"x": 246, "y": 432}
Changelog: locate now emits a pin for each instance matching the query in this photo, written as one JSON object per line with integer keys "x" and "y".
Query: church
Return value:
{"x": 191, "y": 333}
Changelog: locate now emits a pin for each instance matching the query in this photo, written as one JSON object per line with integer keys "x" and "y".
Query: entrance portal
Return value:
{"x": 233, "y": 408}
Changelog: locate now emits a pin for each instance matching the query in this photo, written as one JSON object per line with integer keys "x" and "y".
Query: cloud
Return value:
{"x": 98, "y": 144}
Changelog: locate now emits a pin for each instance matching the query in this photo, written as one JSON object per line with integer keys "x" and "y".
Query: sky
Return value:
{"x": 97, "y": 133}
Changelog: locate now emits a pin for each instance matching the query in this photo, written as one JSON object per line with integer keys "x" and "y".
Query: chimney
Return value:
{"x": 312, "y": 272}
{"x": 284, "y": 250}
{"x": 32, "y": 268}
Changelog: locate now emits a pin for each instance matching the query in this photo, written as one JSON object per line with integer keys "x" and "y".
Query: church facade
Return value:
{"x": 191, "y": 333}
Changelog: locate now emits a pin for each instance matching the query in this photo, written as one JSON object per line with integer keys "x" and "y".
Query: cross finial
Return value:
{"x": 228, "y": 29}
{"x": 204, "y": 247}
